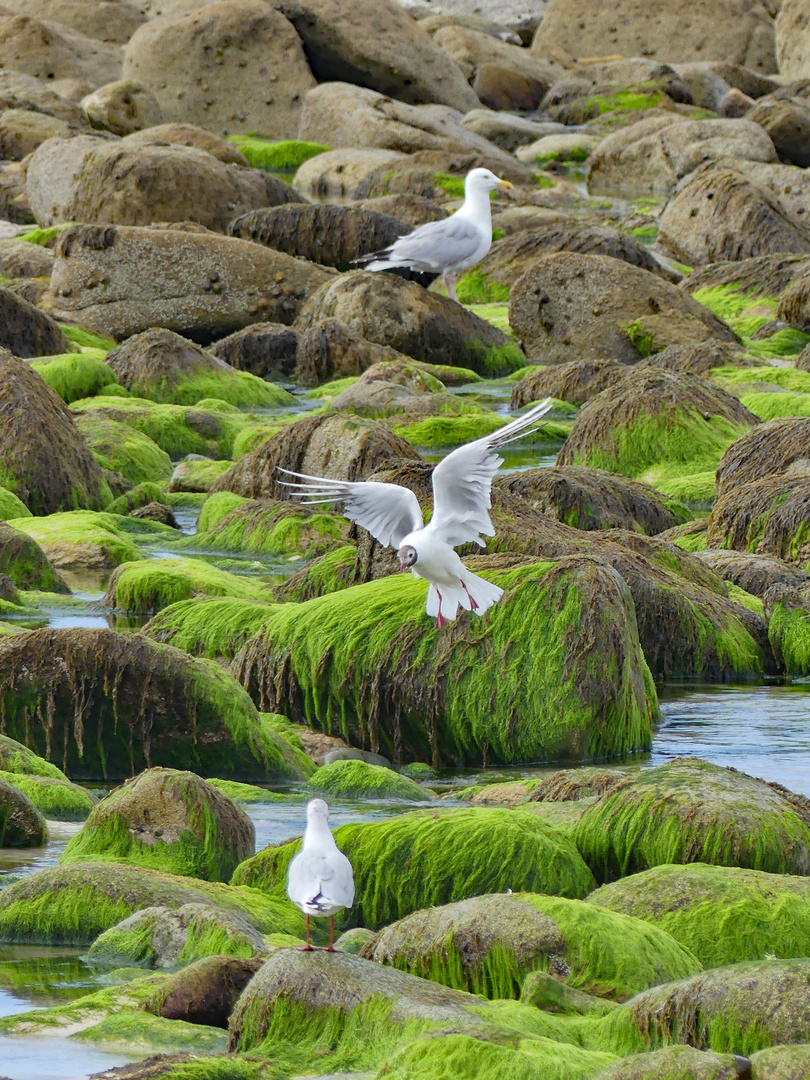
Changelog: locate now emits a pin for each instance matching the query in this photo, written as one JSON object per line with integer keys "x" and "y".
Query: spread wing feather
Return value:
{"x": 462, "y": 482}
{"x": 388, "y": 511}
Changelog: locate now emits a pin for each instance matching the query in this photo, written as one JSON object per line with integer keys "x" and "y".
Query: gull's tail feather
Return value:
{"x": 376, "y": 260}
{"x": 472, "y": 593}
{"x": 482, "y": 593}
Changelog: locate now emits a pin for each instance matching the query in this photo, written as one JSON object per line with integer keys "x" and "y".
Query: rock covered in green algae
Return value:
{"x": 24, "y": 561}
{"x": 767, "y": 451}
{"x": 123, "y": 449}
{"x": 206, "y": 991}
{"x": 739, "y": 1008}
{"x": 11, "y": 506}
{"x": 75, "y": 375}
{"x": 148, "y": 585}
{"x": 675, "y": 1063}
{"x": 73, "y": 904}
{"x": 723, "y": 914}
{"x": 168, "y": 820}
{"x": 210, "y": 627}
{"x": 15, "y": 757}
{"x": 185, "y": 1065}
{"x": 655, "y": 424}
{"x": 781, "y": 1063}
{"x": 145, "y": 704}
{"x": 488, "y": 945}
{"x": 43, "y": 458}
{"x": 767, "y": 517}
{"x": 359, "y": 780}
{"x": 271, "y": 527}
{"x": 789, "y": 627}
{"x": 54, "y": 797}
{"x": 85, "y": 538}
{"x": 692, "y": 811}
{"x": 427, "y": 857}
{"x": 370, "y": 656}
{"x": 21, "y": 824}
{"x": 167, "y": 938}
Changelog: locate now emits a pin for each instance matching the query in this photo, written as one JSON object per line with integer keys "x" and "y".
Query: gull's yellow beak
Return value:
{"x": 505, "y": 185}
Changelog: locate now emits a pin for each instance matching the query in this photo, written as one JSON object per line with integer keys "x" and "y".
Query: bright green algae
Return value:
{"x": 789, "y": 633}
{"x": 12, "y": 507}
{"x": 360, "y": 780}
{"x": 124, "y": 450}
{"x": 85, "y": 536}
{"x": 148, "y": 585}
{"x": 722, "y": 914}
{"x": 15, "y": 757}
{"x": 238, "y": 388}
{"x": 773, "y": 405}
{"x": 54, "y": 798}
{"x": 692, "y": 811}
{"x": 428, "y": 857}
{"x": 282, "y": 156}
{"x": 211, "y": 627}
{"x": 733, "y": 307}
{"x": 75, "y": 375}
{"x": 269, "y": 527}
{"x": 352, "y": 657}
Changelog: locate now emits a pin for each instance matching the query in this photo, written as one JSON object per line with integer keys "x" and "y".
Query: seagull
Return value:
{"x": 320, "y": 880}
{"x": 461, "y": 503}
{"x": 450, "y": 246}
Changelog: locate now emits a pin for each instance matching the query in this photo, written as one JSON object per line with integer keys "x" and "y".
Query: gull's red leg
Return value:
{"x": 473, "y": 604}
{"x": 330, "y": 947}
{"x": 440, "y": 619}
{"x": 307, "y": 947}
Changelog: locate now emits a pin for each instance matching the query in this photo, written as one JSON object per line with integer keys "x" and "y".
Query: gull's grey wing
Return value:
{"x": 328, "y": 876}
{"x": 433, "y": 246}
{"x": 463, "y": 480}
{"x": 388, "y": 511}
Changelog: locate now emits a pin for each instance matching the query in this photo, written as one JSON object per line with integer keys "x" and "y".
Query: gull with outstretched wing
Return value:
{"x": 461, "y": 504}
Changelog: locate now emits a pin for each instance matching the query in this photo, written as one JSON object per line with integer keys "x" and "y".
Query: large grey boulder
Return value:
{"x": 54, "y": 51}
{"x": 259, "y": 79}
{"x": 107, "y": 20}
{"x": 200, "y": 285}
{"x": 793, "y": 39}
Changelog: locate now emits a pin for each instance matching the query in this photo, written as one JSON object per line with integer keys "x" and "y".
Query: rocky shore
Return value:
{"x": 184, "y": 190}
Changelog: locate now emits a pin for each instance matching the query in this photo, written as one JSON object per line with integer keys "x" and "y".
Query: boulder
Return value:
{"x": 701, "y": 358}
{"x": 163, "y": 366}
{"x": 145, "y": 704}
{"x": 345, "y": 448}
{"x": 589, "y": 499}
{"x": 766, "y": 516}
{"x": 576, "y": 382}
{"x": 20, "y": 258}
{"x": 690, "y": 811}
{"x": 793, "y": 39}
{"x": 509, "y": 19}
{"x": 51, "y": 50}
{"x": 465, "y": 666}
{"x": 169, "y": 820}
{"x": 753, "y": 573}
{"x": 651, "y": 156}
{"x": 781, "y": 1062}
{"x": 54, "y": 797}
{"x": 107, "y": 20}
{"x": 331, "y": 349}
{"x": 778, "y": 448}
{"x": 349, "y": 174}
{"x": 736, "y": 30}
{"x": 255, "y": 46}
{"x": 206, "y": 991}
{"x": 220, "y": 148}
{"x": 21, "y": 824}
{"x": 676, "y": 1063}
{"x": 19, "y": 91}
{"x": 262, "y": 349}
{"x": 427, "y": 326}
{"x": 653, "y": 420}
{"x": 22, "y": 131}
{"x": 569, "y": 306}
{"x": 509, "y": 131}
{"x": 794, "y": 305}
{"x": 488, "y": 944}
{"x": 721, "y": 914}
{"x": 268, "y": 527}
{"x": 25, "y": 331}
{"x": 73, "y": 904}
{"x": 734, "y": 105}
{"x": 343, "y": 115}
{"x": 120, "y": 449}
{"x": 43, "y": 457}
{"x": 374, "y": 44}
{"x": 437, "y": 856}
{"x": 121, "y": 107}
{"x": 787, "y": 121}
{"x": 476, "y": 52}
{"x": 197, "y": 284}
{"x": 325, "y": 234}
{"x": 745, "y": 1006}
{"x": 346, "y": 779}
{"x": 788, "y": 611}
{"x": 86, "y": 539}
{"x": 764, "y": 275}
{"x": 26, "y": 564}
{"x": 717, "y": 215}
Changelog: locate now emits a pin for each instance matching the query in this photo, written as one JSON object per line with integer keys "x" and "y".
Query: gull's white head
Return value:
{"x": 482, "y": 180}
{"x": 317, "y": 810}
{"x": 407, "y": 557}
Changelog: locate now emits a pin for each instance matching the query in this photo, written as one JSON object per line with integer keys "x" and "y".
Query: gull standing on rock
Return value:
{"x": 320, "y": 880}
{"x": 446, "y": 247}
{"x": 461, "y": 502}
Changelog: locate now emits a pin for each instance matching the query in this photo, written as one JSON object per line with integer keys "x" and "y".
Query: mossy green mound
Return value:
{"x": 423, "y": 858}
{"x": 216, "y": 507}
{"x": 775, "y": 404}
{"x": 735, "y": 1009}
{"x": 121, "y": 449}
{"x": 24, "y": 561}
{"x": 135, "y": 498}
{"x": 209, "y": 627}
{"x": 359, "y": 780}
{"x": 75, "y": 375}
{"x": 691, "y": 811}
{"x": 21, "y": 824}
{"x": 86, "y": 339}
{"x": 439, "y": 431}
{"x": 787, "y": 378}
{"x": 80, "y": 538}
{"x": 366, "y": 661}
{"x": 489, "y": 944}
{"x": 11, "y": 506}
{"x": 140, "y": 1033}
{"x": 674, "y": 1063}
{"x": 723, "y": 914}
{"x": 55, "y": 798}
{"x": 109, "y": 705}
{"x": 748, "y": 312}
{"x": 148, "y": 585}
{"x": 168, "y": 820}
{"x": 782, "y": 1062}
{"x": 15, "y": 757}
{"x": 270, "y": 527}
{"x": 330, "y": 572}
{"x": 789, "y": 633}
{"x": 286, "y": 155}
{"x": 250, "y": 793}
{"x": 73, "y": 904}
{"x": 198, "y": 474}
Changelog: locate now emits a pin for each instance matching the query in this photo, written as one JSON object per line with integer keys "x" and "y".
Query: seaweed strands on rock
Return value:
{"x": 554, "y": 671}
